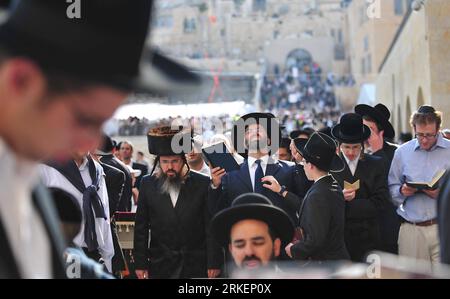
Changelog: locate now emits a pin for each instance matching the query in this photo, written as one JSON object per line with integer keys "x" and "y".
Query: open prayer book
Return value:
{"x": 218, "y": 155}
{"x": 433, "y": 184}
{"x": 354, "y": 186}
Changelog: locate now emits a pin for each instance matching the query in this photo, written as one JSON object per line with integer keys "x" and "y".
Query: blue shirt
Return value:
{"x": 411, "y": 163}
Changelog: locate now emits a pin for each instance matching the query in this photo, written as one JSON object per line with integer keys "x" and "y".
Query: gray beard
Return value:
{"x": 170, "y": 184}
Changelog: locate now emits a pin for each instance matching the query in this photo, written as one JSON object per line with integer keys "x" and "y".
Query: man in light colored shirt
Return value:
{"x": 62, "y": 178}
{"x": 195, "y": 158}
{"x": 419, "y": 160}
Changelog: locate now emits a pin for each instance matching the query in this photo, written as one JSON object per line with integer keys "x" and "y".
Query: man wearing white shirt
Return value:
{"x": 67, "y": 177}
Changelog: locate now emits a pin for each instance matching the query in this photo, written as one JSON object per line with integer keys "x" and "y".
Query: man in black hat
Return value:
{"x": 377, "y": 119}
{"x": 364, "y": 187}
{"x": 256, "y": 135}
{"x": 320, "y": 234}
{"x": 253, "y": 229}
{"x": 106, "y": 156}
{"x": 60, "y": 79}
{"x": 172, "y": 204}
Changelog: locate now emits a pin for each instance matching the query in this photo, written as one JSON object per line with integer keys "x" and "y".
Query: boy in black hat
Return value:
{"x": 172, "y": 204}
{"x": 60, "y": 79}
{"x": 322, "y": 214}
{"x": 377, "y": 119}
{"x": 364, "y": 187}
{"x": 253, "y": 229}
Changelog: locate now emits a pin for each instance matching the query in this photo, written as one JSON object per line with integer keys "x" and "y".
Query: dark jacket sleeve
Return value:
{"x": 141, "y": 228}
{"x": 315, "y": 228}
{"x": 218, "y": 199}
{"x": 115, "y": 194}
{"x": 214, "y": 250}
{"x": 125, "y": 200}
{"x": 367, "y": 207}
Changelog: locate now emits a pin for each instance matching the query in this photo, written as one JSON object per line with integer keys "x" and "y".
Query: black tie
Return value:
{"x": 259, "y": 174}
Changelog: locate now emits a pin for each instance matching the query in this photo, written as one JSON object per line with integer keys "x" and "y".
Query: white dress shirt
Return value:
{"x": 252, "y": 166}
{"x": 26, "y": 231}
{"x": 352, "y": 164}
{"x": 53, "y": 178}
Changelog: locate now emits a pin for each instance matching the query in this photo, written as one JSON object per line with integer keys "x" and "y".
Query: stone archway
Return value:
{"x": 299, "y": 57}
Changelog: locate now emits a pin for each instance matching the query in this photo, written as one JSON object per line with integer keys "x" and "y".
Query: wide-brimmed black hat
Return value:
{"x": 103, "y": 44}
{"x": 267, "y": 120}
{"x": 303, "y": 131}
{"x": 166, "y": 141}
{"x": 320, "y": 150}
{"x": 379, "y": 114}
{"x": 351, "y": 129}
{"x": 252, "y": 206}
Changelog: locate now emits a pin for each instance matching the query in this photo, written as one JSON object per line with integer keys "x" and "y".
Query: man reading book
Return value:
{"x": 364, "y": 187}
{"x": 419, "y": 160}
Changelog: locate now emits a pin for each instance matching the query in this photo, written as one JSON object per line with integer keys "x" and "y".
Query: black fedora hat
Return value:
{"x": 252, "y": 206}
{"x": 303, "y": 131}
{"x": 104, "y": 45}
{"x": 351, "y": 129}
{"x": 320, "y": 150}
{"x": 267, "y": 120}
{"x": 380, "y": 114}
{"x": 161, "y": 141}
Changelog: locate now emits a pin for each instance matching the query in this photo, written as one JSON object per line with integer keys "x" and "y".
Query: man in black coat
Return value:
{"x": 364, "y": 187}
{"x": 260, "y": 172}
{"x": 107, "y": 157}
{"x": 377, "y": 119}
{"x": 320, "y": 235}
{"x": 173, "y": 206}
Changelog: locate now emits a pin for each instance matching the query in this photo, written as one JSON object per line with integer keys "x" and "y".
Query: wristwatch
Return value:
{"x": 282, "y": 190}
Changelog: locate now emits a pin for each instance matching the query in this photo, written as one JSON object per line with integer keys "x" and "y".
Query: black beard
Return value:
{"x": 258, "y": 145}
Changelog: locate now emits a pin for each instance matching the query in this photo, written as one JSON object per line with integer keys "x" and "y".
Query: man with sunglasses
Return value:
{"x": 419, "y": 160}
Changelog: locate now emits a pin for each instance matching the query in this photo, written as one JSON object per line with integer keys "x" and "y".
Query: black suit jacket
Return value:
{"x": 181, "y": 245}
{"x": 322, "y": 218}
{"x": 388, "y": 218}
{"x": 44, "y": 206}
{"x": 144, "y": 172}
{"x": 444, "y": 220}
{"x": 115, "y": 180}
{"x": 362, "y": 222}
{"x": 125, "y": 201}
{"x": 238, "y": 182}
{"x": 387, "y": 154}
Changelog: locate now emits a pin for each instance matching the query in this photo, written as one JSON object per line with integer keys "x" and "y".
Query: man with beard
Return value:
{"x": 260, "y": 172}
{"x": 253, "y": 229}
{"x": 172, "y": 204}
